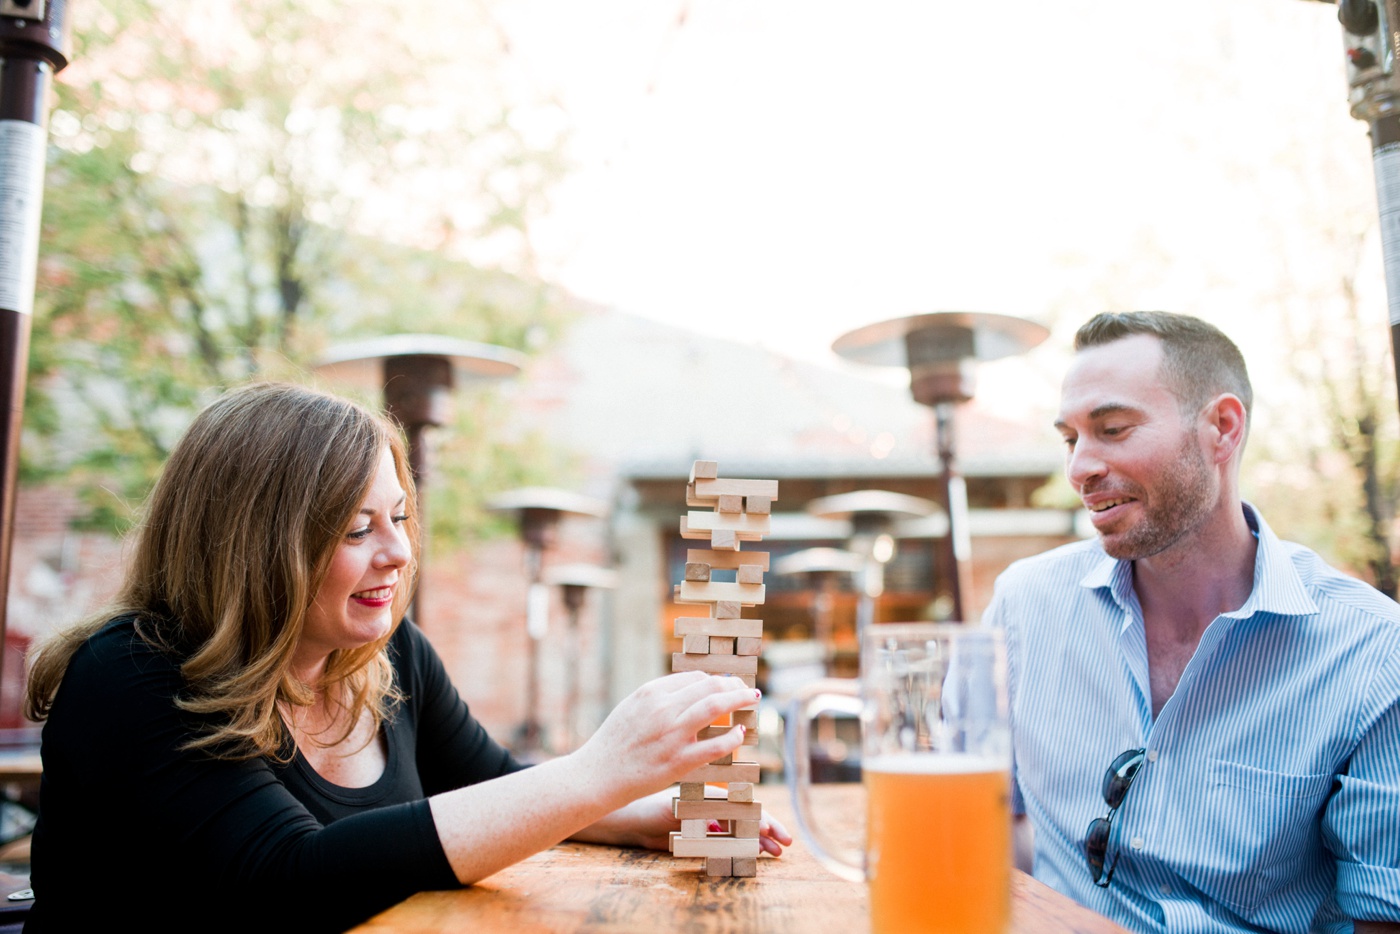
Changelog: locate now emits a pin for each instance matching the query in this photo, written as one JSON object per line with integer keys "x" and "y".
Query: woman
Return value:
{"x": 250, "y": 725}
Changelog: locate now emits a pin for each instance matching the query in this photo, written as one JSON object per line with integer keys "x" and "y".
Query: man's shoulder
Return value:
{"x": 1337, "y": 591}
{"x": 1065, "y": 565}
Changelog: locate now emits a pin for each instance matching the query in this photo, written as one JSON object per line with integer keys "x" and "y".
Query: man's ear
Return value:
{"x": 1226, "y": 419}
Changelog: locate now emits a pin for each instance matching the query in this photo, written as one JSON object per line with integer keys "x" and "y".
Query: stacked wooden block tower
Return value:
{"x": 723, "y": 643}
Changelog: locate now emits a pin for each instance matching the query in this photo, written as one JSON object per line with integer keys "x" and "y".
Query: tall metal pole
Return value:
{"x": 33, "y": 48}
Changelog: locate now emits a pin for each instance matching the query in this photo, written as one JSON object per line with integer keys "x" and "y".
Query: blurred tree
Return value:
{"x": 234, "y": 184}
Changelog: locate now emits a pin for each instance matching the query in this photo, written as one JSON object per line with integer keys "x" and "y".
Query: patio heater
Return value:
{"x": 537, "y": 513}
{"x": 416, "y": 374}
{"x": 941, "y": 350}
{"x": 874, "y": 516}
{"x": 574, "y": 581}
{"x": 822, "y": 568}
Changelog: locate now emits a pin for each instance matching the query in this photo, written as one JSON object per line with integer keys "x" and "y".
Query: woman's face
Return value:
{"x": 354, "y": 605}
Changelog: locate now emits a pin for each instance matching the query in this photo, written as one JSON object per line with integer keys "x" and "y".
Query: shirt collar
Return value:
{"x": 1277, "y": 587}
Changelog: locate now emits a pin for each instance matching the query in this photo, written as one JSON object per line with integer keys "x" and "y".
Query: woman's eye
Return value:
{"x": 402, "y": 518}
{"x": 359, "y": 534}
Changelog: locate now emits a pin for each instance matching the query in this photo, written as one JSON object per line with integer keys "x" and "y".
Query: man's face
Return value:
{"x": 1135, "y": 460}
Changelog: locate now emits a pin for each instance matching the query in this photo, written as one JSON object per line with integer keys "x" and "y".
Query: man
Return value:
{"x": 1243, "y": 696}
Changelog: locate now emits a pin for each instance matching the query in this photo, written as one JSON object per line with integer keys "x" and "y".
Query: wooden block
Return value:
{"x": 720, "y": 540}
{"x": 728, "y": 522}
{"x": 704, "y": 470}
{"x": 744, "y": 867}
{"x": 692, "y": 791}
{"x": 714, "y": 846}
{"x": 720, "y": 487}
{"x": 748, "y": 719}
{"x": 721, "y": 645}
{"x": 745, "y": 754}
{"x": 715, "y": 664}
{"x": 696, "y": 645}
{"x": 696, "y": 829}
{"x": 748, "y": 645}
{"x": 726, "y": 609}
{"x": 750, "y": 680}
{"x": 688, "y": 532}
{"x": 741, "y": 792}
{"x": 727, "y": 560}
{"x": 695, "y": 571}
{"x": 710, "y": 626}
{"x": 712, "y": 591}
{"x": 730, "y": 504}
{"x": 719, "y": 866}
{"x": 747, "y": 574}
{"x": 693, "y": 501}
{"x": 758, "y": 505}
{"x": 744, "y": 829}
{"x": 717, "y": 809}
{"x": 723, "y": 760}
{"x": 742, "y": 772}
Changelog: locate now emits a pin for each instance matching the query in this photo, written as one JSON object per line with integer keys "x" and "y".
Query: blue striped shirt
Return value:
{"x": 1269, "y": 798}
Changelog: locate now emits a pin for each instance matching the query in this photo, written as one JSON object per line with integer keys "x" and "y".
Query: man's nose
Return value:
{"x": 1083, "y": 465}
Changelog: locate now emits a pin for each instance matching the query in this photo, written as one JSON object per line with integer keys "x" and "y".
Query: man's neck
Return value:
{"x": 1187, "y": 586}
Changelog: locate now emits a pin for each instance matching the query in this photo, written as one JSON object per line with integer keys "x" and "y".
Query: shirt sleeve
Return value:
{"x": 453, "y": 749}
{"x": 994, "y": 618}
{"x": 1359, "y": 824}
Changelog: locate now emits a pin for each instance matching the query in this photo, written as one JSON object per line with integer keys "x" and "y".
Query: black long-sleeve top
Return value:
{"x": 131, "y": 826}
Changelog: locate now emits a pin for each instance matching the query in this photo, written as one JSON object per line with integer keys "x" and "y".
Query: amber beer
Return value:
{"x": 938, "y": 843}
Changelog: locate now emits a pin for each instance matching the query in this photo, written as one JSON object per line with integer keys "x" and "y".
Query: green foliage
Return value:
{"x": 232, "y": 186}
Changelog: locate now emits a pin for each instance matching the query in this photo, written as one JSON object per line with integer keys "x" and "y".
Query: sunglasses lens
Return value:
{"x": 1120, "y": 775}
{"x": 1096, "y": 846}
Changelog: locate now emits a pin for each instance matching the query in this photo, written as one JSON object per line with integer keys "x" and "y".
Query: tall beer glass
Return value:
{"x": 936, "y": 757}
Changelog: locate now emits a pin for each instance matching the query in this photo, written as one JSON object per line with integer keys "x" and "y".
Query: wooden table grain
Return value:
{"x": 575, "y": 888}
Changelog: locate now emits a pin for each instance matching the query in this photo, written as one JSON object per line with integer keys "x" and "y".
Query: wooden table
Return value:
{"x": 575, "y": 887}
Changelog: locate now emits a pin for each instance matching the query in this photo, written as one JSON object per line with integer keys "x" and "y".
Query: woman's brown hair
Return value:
{"x": 234, "y": 542}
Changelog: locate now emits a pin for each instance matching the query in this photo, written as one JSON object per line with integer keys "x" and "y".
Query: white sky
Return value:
{"x": 781, "y": 171}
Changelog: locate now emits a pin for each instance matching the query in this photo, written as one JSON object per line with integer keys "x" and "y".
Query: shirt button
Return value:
{"x": 1137, "y": 843}
{"x": 1151, "y": 755}
{"x": 1164, "y": 889}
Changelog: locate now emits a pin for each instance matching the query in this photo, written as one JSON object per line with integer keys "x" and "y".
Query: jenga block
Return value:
{"x": 723, "y": 760}
{"x": 742, "y": 772}
{"x": 719, "y": 487}
{"x": 714, "y": 846}
{"x": 720, "y": 866}
{"x": 744, "y": 829}
{"x": 741, "y": 792}
{"x": 717, "y": 809}
{"x": 704, "y": 470}
{"x": 745, "y": 753}
{"x": 696, "y": 645}
{"x": 721, "y": 645}
{"x": 748, "y": 645}
{"x": 727, "y": 560}
{"x": 710, "y": 626}
{"x": 720, "y": 540}
{"x": 726, "y": 609}
{"x": 730, "y": 504}
{"x": 709, "y": 732}
{"x": 730, "y": 522}
{"x": 748, "y": 719}
{"x": 758, "y": 505}
{"x": 750, "y": 680}
{"x": 692, "y": 791}
{"x": 688, "y": 532}
{"x": 747, "y": 574}
{"x": 744, "y": 867}
{"x": 695, "y": 571}
{"x": 715, "y": 664}
{"x": 697, "y": 829}
{"x": 712, "y": 591}
{"x": 693, "y": 501}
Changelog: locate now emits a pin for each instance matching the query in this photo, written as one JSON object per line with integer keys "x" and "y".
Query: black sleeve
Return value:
{"x": 453, "y": 749}
{"x": 124, "y": 809}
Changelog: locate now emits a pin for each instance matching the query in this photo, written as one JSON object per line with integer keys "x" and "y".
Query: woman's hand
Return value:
{"x": 647, "y": 822}
{"x": 649, "y": 740}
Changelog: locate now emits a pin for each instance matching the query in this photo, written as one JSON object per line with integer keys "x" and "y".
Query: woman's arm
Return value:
{"x": 648, "y": 822}
{"x": 645, "y": 745}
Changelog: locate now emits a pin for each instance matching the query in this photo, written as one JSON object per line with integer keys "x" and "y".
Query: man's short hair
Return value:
{"x": 1198, "y": 361}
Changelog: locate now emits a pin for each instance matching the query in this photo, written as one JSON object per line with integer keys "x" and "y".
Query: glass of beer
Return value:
{"x": 935, "y": 763}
